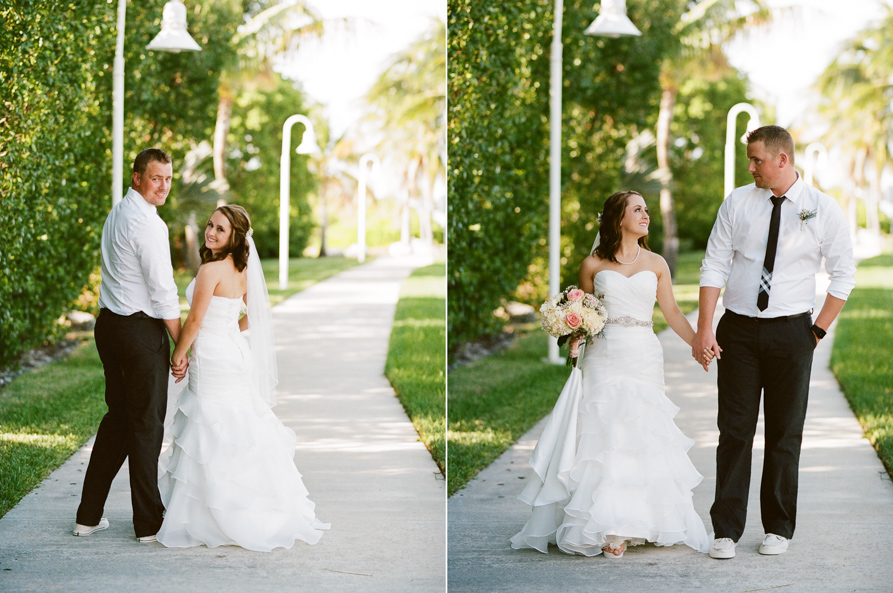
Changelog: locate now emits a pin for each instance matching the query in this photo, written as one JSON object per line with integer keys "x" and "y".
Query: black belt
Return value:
{"x": 770, "y": 319}
{"x": 137, "y": 315}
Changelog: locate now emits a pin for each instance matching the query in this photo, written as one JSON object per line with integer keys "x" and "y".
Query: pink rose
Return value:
{"x": 575, "y": 295}
{"x": 573, "y": 320}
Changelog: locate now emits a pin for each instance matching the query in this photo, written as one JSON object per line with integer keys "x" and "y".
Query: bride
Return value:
{"x": 229, "y": 476}
{"x": 611, "y": 467}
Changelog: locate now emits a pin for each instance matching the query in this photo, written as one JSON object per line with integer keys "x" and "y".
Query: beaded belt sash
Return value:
{"x": 627, "y": 321}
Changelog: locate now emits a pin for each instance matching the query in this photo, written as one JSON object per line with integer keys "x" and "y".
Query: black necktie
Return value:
{"x": 769, "y": 260}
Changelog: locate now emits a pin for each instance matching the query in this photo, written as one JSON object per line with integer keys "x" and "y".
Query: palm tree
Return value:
{"x": 336, "y": 181}
{"x": 198, "y": 194}
{"x": 702, "y": 30}
{"x": 409, "y": 102}
{"x": 268, "y": 31}
{"x": 857, "y": 95}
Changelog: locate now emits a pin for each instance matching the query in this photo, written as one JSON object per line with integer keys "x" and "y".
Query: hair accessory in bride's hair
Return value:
{"x": 598, "y": 217}
{"x": 250, "y": 232}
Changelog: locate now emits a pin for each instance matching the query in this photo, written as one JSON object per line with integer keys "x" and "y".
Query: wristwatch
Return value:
{"x": 819, "y": 332}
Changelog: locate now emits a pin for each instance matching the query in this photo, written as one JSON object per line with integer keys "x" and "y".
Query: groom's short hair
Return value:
{"x": 147, "y": 156}
{"x": 775, "y": 138}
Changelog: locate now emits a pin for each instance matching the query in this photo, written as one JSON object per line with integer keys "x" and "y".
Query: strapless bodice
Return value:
{"x": 222, "y": 314}
{"x": 627, "y": 297}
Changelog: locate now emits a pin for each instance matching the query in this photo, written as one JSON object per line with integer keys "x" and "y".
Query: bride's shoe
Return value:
{"x": 614, "y": 549}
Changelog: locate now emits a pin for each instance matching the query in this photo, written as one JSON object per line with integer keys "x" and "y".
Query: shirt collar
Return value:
{"x": 794, "y": 192}
{"x": 141, "y": 203}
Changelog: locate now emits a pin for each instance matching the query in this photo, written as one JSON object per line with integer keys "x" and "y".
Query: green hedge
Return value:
{"x": 54, "y": 147}
{"x": 55, "y": 138}
{"x": 498, "y": 76}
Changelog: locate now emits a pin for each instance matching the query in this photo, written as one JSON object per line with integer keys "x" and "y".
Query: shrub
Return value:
{"x": 56, "y": 74}
{"x": 498, "y": 127}
{"x": 54, "y": 153}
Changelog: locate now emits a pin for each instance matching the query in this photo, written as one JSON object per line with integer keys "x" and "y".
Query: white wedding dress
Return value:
{"x": 227, "y": 476}
{"x": 611, "y": 461}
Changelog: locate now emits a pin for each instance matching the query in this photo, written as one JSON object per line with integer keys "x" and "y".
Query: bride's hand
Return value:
{"x": 179, "y": 364}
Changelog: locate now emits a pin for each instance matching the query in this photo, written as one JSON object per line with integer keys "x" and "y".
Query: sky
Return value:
{"x": 785, "y": 59}
{"x": 338, "y": 71}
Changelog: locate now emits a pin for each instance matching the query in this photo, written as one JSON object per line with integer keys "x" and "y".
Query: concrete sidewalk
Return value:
{"x": 359, "y": 455}
{"x": 844, "y": 539}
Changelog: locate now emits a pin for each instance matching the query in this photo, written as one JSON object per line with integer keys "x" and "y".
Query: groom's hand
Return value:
{"x": 705, "y": 347}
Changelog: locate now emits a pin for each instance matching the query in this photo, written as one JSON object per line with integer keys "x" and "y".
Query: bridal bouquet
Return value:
{"x": 573, "y": 313}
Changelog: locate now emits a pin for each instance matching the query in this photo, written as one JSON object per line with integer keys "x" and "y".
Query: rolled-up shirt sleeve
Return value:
{"x": 150, "y": 243}
{"x": 717, "y": 262}
{"x": 837, "y": 249}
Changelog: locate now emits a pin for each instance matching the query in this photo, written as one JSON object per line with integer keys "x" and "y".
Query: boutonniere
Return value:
{"x": 805, "y": 215}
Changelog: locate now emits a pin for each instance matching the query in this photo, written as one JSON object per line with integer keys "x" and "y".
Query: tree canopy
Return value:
{"x": 498, "y": 77}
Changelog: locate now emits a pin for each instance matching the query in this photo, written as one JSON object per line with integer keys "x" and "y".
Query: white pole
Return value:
{"x": 284, "y": 184}
{"x": 555, "y": 168}
{"x": 815, "y": 152}
{"x": 284, "y": 181}
{"x": 731, "y": 120}
{"x": 118, "y": 107}
{"x": 361, "y": 201}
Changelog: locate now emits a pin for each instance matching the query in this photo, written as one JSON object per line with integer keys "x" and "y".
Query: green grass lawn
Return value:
{"x": 862, "y": 353}
{"x": 417, "y": 355}
{"x": 45, "y": 416}
{"x": 495, "y": 400}
{"x": 49, "y": 413}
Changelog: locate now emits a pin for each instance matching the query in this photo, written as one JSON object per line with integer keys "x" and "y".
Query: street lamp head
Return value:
{"x": 612, "y": 21}
{"x": 308, "y": 143}
{"x": 173, "y": 36}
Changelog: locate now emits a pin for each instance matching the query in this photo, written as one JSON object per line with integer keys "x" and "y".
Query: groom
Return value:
{"x": 766, "y": 247}
{"x": 139, "y": 307}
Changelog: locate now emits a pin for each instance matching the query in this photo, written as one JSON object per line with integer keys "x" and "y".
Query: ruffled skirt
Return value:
{"x": 611, "y": 463}
{"x": 227, "y": 474}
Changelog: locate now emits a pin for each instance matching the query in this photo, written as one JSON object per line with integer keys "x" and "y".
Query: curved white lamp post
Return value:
{"x": 365, "y": 160}
{"x": 174, "y": 38}
{"x": 611, "y": 22}
{"x": 731, "y": 120}
{"x": 815, "y": 152}
{"x": 308, "y": 146}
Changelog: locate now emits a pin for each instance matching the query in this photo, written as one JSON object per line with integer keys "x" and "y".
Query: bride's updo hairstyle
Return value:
{"x": 238, "y": 238}
{"x": 609, "y": 226}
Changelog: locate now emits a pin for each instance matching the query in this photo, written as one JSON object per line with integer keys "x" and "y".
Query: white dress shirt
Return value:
{"x": 137, "y": 274}
{"x": 737, "y": 247}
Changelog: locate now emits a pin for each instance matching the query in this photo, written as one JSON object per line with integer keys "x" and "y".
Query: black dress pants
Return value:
{"x": 772, "y": 357}
{"x": 135, "y": 354}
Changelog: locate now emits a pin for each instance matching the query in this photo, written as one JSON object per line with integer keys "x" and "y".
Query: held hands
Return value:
{"x": 705, "y": 348}
{"x": 179, "y": 364}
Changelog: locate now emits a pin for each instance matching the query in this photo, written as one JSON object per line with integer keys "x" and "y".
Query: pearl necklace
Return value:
{"x": 623, "y": 263}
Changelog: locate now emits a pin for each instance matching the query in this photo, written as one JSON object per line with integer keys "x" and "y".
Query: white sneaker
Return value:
{"x": 85, "y": 530}
{"x": 723, "y": 547}
{"x": 147, "y": 539}
{"x": 773, "y": 544}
